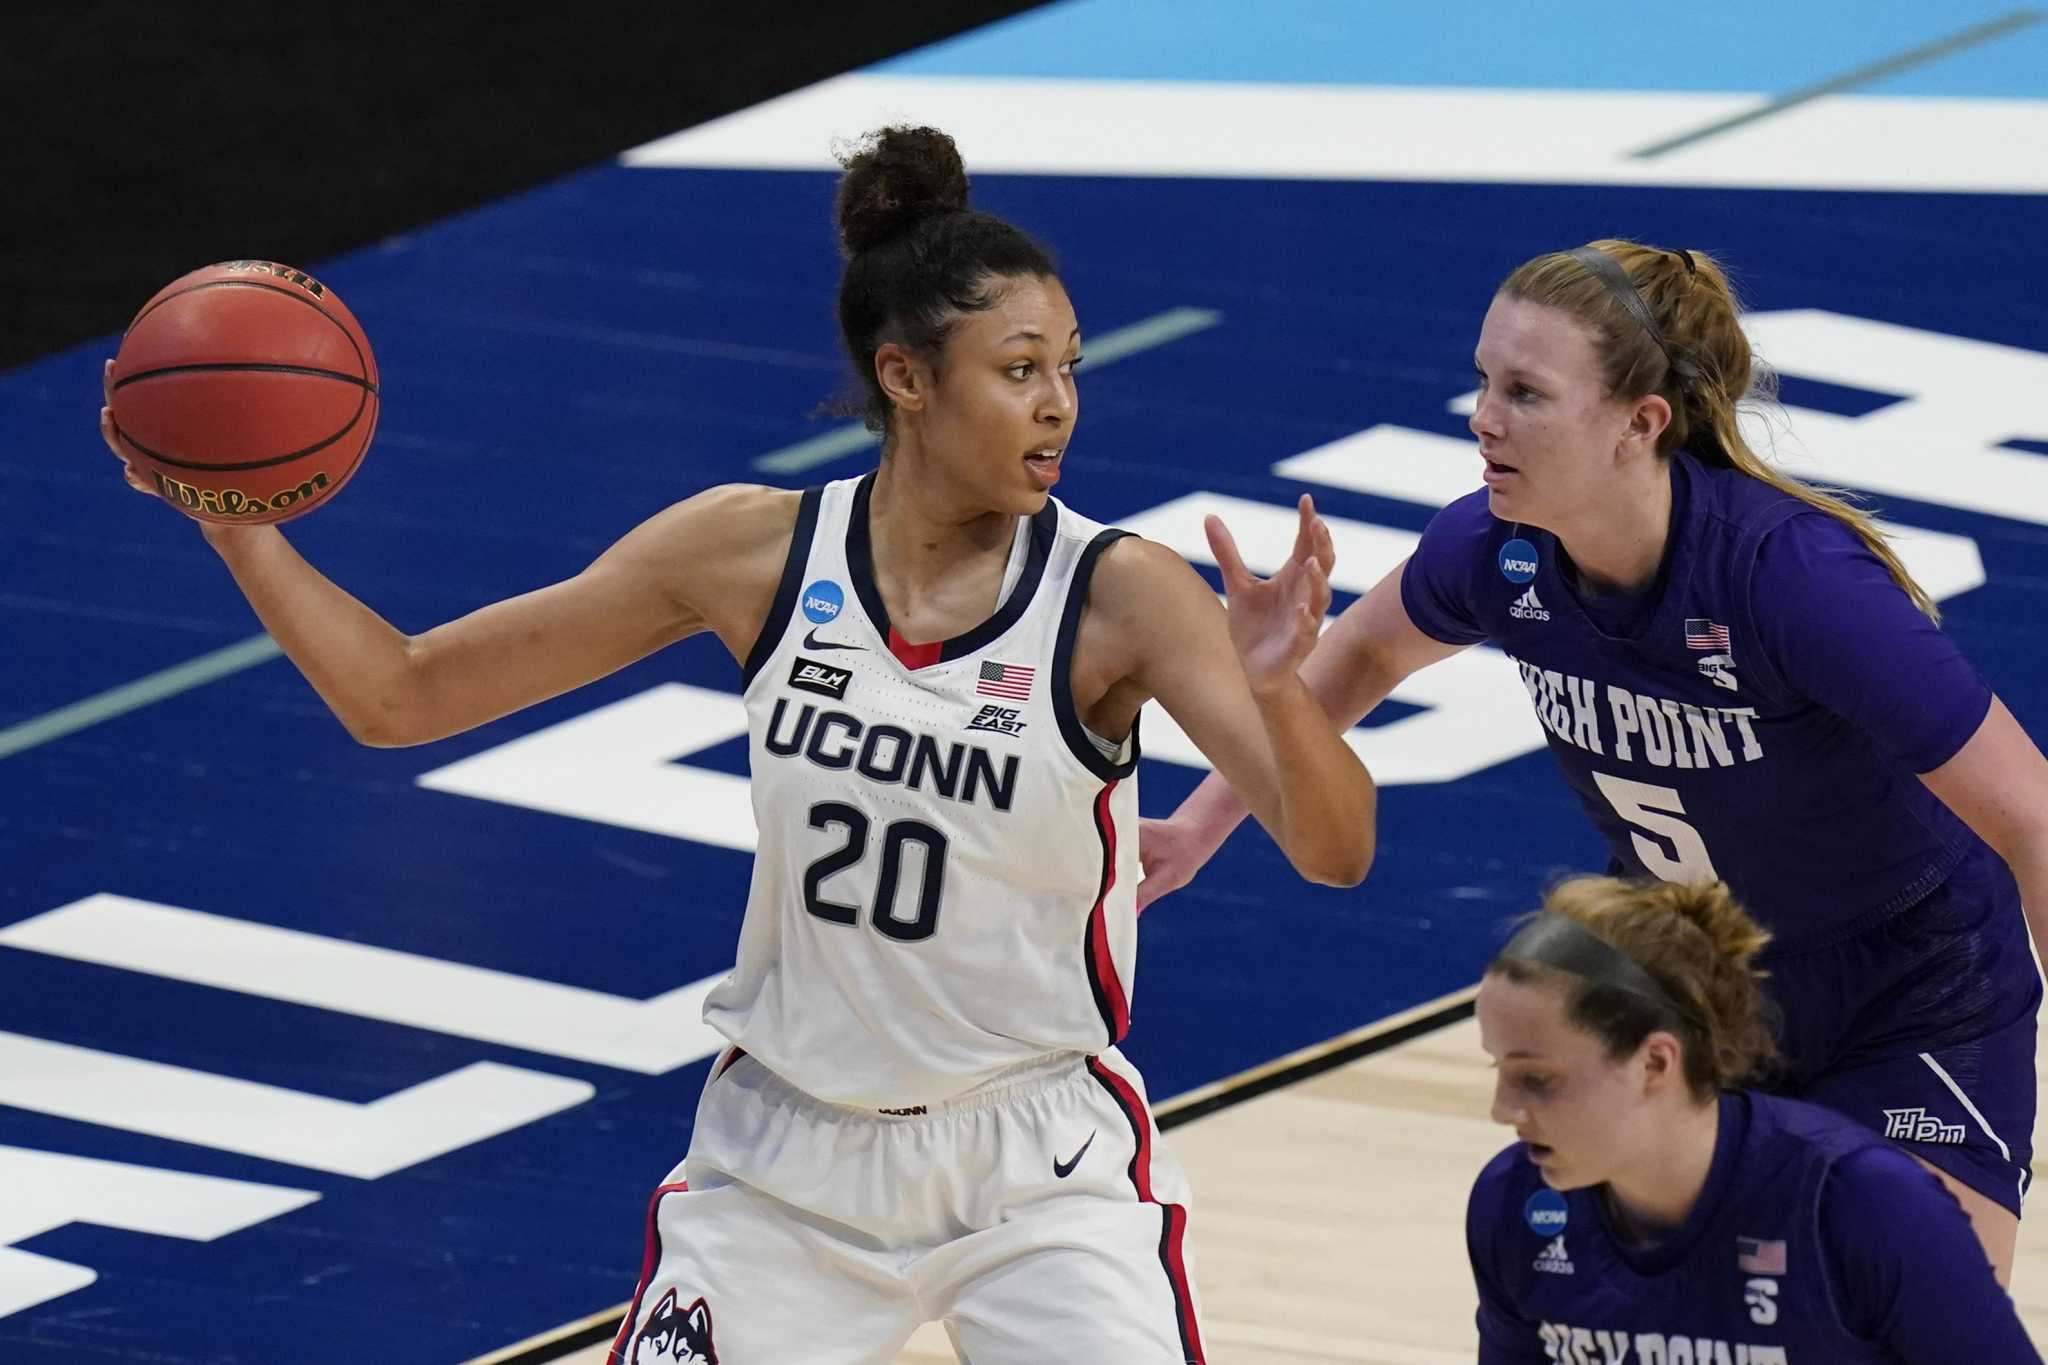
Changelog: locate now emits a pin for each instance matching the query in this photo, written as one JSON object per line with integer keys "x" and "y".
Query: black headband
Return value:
{"x": 1562, "y": 943}
{"x": 1610, "y": 273}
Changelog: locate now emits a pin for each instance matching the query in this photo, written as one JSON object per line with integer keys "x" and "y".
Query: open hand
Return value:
{"x": 1274, "y": 621}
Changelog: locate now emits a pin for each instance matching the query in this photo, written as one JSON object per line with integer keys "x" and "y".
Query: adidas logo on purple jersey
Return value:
{"x": 1554, "y": 1259}
{"x": 1528, "y": 608}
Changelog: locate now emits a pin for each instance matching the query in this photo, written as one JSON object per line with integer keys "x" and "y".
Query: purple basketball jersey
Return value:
{"x": 1759, "y": 715}
{"x": 1811, "y": 1242}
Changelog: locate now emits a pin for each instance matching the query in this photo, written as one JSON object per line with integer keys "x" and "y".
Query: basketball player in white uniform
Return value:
{"x": 923, "y": 1115}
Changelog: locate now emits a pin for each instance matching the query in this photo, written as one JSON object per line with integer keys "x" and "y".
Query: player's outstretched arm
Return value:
{"x": 1369, "y": 649}
{"x": 1232, "y": 683}
{"x": 711, "y": 562}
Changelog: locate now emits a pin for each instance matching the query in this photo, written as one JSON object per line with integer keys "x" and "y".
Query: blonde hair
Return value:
{"x": 1696, "y": 943}
{"x": 1695, "y": 309}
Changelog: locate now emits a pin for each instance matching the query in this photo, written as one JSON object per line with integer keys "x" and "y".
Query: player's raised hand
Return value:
{"x": 1274, "y": 621}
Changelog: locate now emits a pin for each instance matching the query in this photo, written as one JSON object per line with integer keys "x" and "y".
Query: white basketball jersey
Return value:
{"x": 945, "y": 881}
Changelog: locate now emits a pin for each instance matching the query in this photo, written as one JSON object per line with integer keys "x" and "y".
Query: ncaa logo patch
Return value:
{"x": 823, "y": 601}
{"x": 1545, "y": 1213}
{"x": 1518, "y": 561}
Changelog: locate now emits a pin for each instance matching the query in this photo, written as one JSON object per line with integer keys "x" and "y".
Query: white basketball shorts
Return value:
{"x": 1038, "y": 1216}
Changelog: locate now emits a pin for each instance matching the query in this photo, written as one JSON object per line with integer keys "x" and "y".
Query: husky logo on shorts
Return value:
{"x": 669, "y": 1335}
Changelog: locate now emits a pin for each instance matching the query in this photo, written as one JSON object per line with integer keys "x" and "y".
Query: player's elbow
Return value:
{"x": 377, "y": 728}
{"x": 1343, "y": 863}
{"x": 1351, "y": 837}
{"x": 371, "y": 737}
{"x": 389, "y": 711}
{"x": 1348, "y": 871}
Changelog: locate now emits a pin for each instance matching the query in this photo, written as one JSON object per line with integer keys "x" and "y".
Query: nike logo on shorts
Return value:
{"x": 811, "y": 641}
{"x": 1062, "y": 1169}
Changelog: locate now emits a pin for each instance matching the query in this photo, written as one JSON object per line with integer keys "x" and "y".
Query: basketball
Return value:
{"x": 245, "y": 391}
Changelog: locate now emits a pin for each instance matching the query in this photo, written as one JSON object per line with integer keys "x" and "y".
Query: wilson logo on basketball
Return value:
{"x": 276, "y": 271}
{"x": 229, "y": 502}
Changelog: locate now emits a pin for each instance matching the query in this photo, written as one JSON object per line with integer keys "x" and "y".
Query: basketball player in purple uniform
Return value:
{"x": 1741, "y": 682}
{"x": 923, "y": 1114}
{"x": 1651, "y": 1213}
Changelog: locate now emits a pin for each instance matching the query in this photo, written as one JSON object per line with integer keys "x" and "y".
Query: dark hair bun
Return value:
{"x": 894, "y": 177}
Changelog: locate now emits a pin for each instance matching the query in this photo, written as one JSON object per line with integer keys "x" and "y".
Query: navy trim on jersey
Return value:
{"x": 860, "y": 567}
{"x": 1071, "y": 728}
{"x": 777, "y": 624}
{"x": 1111, "y": 1002}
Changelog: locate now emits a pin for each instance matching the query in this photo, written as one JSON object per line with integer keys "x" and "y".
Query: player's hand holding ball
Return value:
{"x": 244, "y": 393}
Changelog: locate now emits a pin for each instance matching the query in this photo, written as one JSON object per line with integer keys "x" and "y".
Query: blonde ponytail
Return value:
{"x": 1696, "y": 313}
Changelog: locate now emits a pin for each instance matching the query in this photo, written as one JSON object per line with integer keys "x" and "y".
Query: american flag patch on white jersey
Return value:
{"x": 1004, "y": 680}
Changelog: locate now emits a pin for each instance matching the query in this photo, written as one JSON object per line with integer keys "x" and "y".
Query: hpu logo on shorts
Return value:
{"x": 1917, "y": 1125}
{"x": 1527, "y": 607}
{"x": 823, "y": 601}
{"x": 1546, "y": 1213}
{"x": 1554, "y": 1259}
{"x": 672, "y": 1335}
{"x": 999, "y": 720}
{"x": 1518, "y": 561}
{"x": 820, "y": 678}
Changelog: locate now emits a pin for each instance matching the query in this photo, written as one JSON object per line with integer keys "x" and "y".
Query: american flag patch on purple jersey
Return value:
{"x": 1755, "y": 1256}
{"x": 1700, "y": 633}
{"x": 1011, "y": 681}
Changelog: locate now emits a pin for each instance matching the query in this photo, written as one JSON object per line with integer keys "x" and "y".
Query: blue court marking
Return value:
{"x": 1744, "y": 45}
{"x": 2015, "y": 67}
{"x": 1858, "y": 79}
{"x": 142, "y": 692}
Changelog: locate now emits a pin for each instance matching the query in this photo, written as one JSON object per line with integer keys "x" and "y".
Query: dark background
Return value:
{"x": 144, "y": 140}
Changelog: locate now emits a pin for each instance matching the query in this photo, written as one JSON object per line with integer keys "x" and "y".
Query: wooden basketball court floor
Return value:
{"x": 1329, "y": 1205}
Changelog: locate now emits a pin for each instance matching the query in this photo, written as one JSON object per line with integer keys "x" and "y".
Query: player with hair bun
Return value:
{"x": 923, "y": 1114}
{"x": 1654, "y": 1212}
{"x": 1741, "y": 682}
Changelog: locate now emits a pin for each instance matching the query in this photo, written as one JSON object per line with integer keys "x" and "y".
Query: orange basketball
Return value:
{"x": 246, "y": 391}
